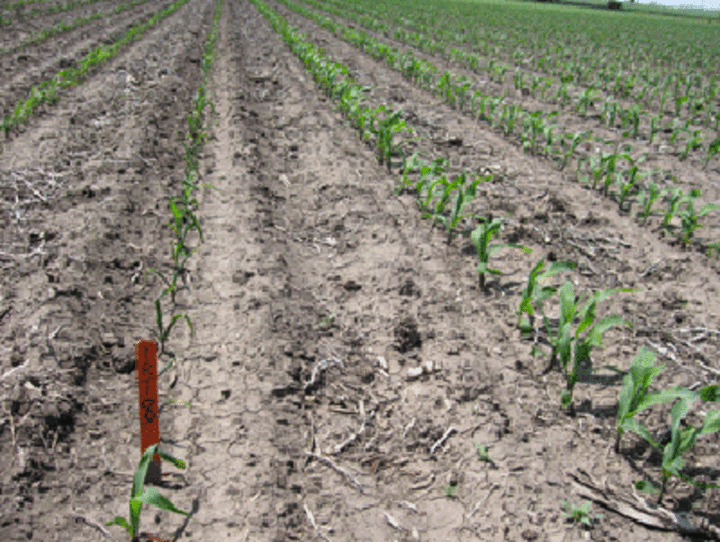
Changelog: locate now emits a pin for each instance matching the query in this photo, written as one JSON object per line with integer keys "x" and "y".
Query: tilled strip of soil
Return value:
{"x": 77, "y": 307}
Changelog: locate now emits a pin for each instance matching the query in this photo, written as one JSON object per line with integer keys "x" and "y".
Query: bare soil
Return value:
{"x": 315, "y": 291}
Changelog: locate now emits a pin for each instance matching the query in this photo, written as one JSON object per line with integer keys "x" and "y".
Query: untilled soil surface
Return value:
{"x": 345, "y": 366}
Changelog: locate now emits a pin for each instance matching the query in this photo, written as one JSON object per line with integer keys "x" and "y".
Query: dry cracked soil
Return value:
{"x": 315, "y": 296}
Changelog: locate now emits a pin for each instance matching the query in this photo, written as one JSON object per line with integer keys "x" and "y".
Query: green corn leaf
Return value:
{"x": 567, "y": 302}
{"x": 711, "y": 423}
{"x": 153, "y": 497}
{"x": 708, "y": 208}
{"x": 633, "y": 426}
{"x": 595, "y": 335}
{"x": 122, "y": 522}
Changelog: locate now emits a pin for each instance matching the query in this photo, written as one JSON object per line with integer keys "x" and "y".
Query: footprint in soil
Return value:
{"x": 407, "y": 335}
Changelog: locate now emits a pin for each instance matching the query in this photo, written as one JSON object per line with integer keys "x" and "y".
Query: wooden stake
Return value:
{"x": 146, "y": 376}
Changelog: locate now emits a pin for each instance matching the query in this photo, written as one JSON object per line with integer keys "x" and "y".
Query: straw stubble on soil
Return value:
{"x": 304, "y": 226}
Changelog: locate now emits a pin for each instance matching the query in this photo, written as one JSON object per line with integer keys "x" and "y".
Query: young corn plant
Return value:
{"x": 692, "y": 144}
{"x": 654, "y": 127}
{"x": 537, "y": 291}
{"x": 439, "y": 187}
{"x": 461, "y": 90}
{"x": 141, "y": 495}
{"x": 673, "y": 197}
{"x": 510, "y": 114}
{"x": 585, "y": 100}
{"x": 481, "y": 237}
{"x": 465, "y": 194}
{"x": 628, "y": 183}
{"x": 392, "y": 124}
{"x": 632, "y": 117}
{"x": 550, "y": 138}
{"x": 411, "y": 164}
{"x": 548, "y": 83}
{"x": 688, "y": 216}
{"x": 581, "y": 514}
{"x": 428, "y": 175}
{"x": 163, "y": 333}
{"x": 681, "y": 440}
{"x": 647, "y": 198}
{"x": 569, "y": 149}
{"x": 634, "y": 396}
{"x": 570, "y": 347}
{"x": 713, "y": 150}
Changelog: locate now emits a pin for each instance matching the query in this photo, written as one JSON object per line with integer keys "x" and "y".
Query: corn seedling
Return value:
{"x": 450, "y": 491}
{"x": 518, "y": 80}
{"x": 562, "y": 96}
{"x": 610, "y": 111}
{"x": 392, "y": 124}
{"x": 713, "y": 150}
{"x": 585, "y": 100}
{"x": 628, "y": 187}
{"x": 597, "y": 169}
{"x": 634, "y": 396}
{"x": 688, "y": 216}
{"x": 162, "y": 333}
{"x": 411, "y": 164}
{"x": 647, "y": 199}
{"x": 654, "y": 126}
{"x": 535, "y": 85}
{"x": 536, "y": 292}
{"x": 484, "y": 455}
{"x": 492, "y": 106}
{"x": 465, "y": 195}
{"x": 679, "y": 101}
{"x": 571, "y": 348}
{"x": 546, "y": 87}
{"x": 428, "y": 174}
{"x": 581, "y": 514}
{"x": 684, "y": 439}
{"x": 141, "y": 495}
{"x": 510, "y": 113}
{"x": 694, "y": 143}
{"x": 441, "y": 187}
{"x": 327, "y": 322}
{"x": 610, "y": 160}
{"x": 481, "y": 237}
{"x": 483, "y": 107}
{"x": 550, "y": 138}
{"x": 673, "y": 197}
{"x": 461, "y": 93}
{"x": 569, "y": 150}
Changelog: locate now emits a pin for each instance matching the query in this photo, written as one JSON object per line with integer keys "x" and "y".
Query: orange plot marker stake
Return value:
{"x": 146, "y": 375}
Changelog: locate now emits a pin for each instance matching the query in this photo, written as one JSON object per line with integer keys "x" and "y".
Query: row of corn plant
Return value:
{"x": 453, "y": 30}
{"x": 571, "y": 336}
{"x": 184, "y": 221}
{"x": 577, "y": 333}
{"x": 538, "y": 127}
{"x": 631, "y": 116}
{"x": 49, "y": 91}
{"x": 43, "y": 35}
{"x": 442, "y": 200}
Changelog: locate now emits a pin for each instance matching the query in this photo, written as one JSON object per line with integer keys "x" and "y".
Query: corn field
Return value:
{"x": 415, "y": 270}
